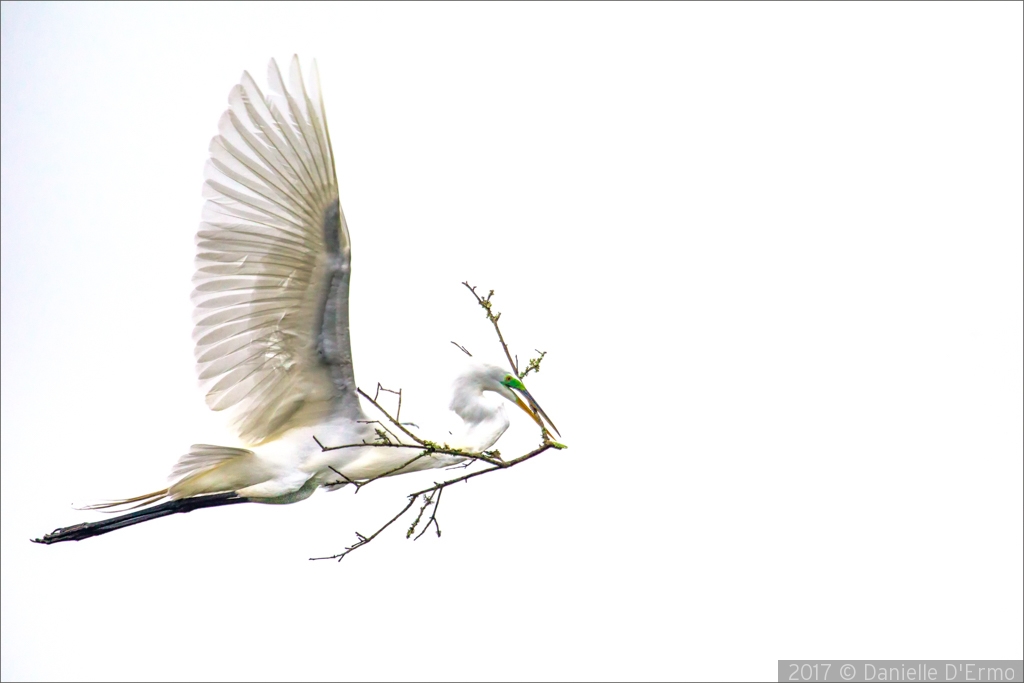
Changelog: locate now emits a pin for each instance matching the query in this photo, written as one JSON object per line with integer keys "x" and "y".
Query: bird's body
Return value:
{"x": 291, "y": 466}
{"x": 271, "y": 288}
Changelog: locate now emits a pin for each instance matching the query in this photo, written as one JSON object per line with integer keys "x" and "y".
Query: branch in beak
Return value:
{"x": 534, "y": 410}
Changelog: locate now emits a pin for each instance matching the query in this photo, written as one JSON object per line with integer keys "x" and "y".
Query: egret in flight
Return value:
{"x": 271, "y": 334}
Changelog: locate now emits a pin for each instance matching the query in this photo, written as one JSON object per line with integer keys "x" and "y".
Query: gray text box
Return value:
{"x": 916, "y": 670}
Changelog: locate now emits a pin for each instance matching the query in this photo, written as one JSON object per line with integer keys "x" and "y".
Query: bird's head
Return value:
{"x": 511, "y": 387}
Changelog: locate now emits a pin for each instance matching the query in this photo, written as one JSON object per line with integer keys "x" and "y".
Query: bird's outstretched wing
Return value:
{"x": 272, "y": 263}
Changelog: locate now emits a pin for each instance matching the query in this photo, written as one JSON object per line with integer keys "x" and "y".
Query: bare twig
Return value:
{"x": 393, "y": 420}
{"x": 464, "y": 349}
{"x": 485, "y": 303}
{"x": 491, "y": 457}
{"x": 427, "y": 500}
{"x": 363, "y": 540}
{"x": 382, "y": 433}
{"x": 398, "y": 413}
{"x": 347, "y": 480}
{"x": 461, "y": 465}
{"x": 399, "y": 468}
{"x": 394, "y": 470}
{"x": 433, "y": 518}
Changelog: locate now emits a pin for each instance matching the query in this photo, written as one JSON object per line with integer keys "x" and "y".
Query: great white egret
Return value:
{"x": 271, "y": 324}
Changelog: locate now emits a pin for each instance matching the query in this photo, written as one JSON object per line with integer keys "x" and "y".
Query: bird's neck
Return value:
{"x": 483, "y": 415}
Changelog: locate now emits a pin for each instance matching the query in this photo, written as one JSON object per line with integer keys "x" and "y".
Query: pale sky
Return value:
{"x": 773, "y": 251}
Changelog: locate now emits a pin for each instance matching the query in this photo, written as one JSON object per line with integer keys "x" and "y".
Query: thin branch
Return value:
{"x": 371, "y": 444}
{"x": 399, "y": 468}
{"x": 360, "y": 484}
{"x": 381, "y": 435}
{"x": 433, "y": 518}
{"x": 497, "y": 466}
{"x": 461, "y": 465}
{"x": 427, "y": 500}
{"x": 490, "y": 457}
{"x": 464, "y": 349}
{"x": 429, "y": 448}
{"x": 363, "y": 540}
{"x": 380, "y": 388}
{"x": 393, "y": 421}
{"x": 485, "y": 303}
{"x": 350, "y": 481}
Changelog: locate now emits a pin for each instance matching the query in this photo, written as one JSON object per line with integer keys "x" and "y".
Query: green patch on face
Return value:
{"x": 513, "y": 383}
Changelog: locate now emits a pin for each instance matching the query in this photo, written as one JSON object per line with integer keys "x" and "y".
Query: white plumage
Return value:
{"x": 272, "y": 264}
{"x": 271, "y": 316}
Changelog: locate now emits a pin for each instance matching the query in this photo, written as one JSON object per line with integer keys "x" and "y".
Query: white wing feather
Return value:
{"x": 272, "y": 264}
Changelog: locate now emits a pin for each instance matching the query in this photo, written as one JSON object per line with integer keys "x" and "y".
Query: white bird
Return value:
{"x": 271, "y": 324}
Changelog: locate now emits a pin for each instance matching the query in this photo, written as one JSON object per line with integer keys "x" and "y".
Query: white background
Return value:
{"x": 773, "y": 251}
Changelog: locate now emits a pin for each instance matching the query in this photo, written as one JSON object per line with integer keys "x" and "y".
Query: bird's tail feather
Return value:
{"x": 204, "y": 469}
{"x": 140, "y": 501}
{"x": 216, "y": 469}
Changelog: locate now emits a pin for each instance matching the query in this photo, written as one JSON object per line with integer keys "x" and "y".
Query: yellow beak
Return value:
{"x": 534, "y": 410}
